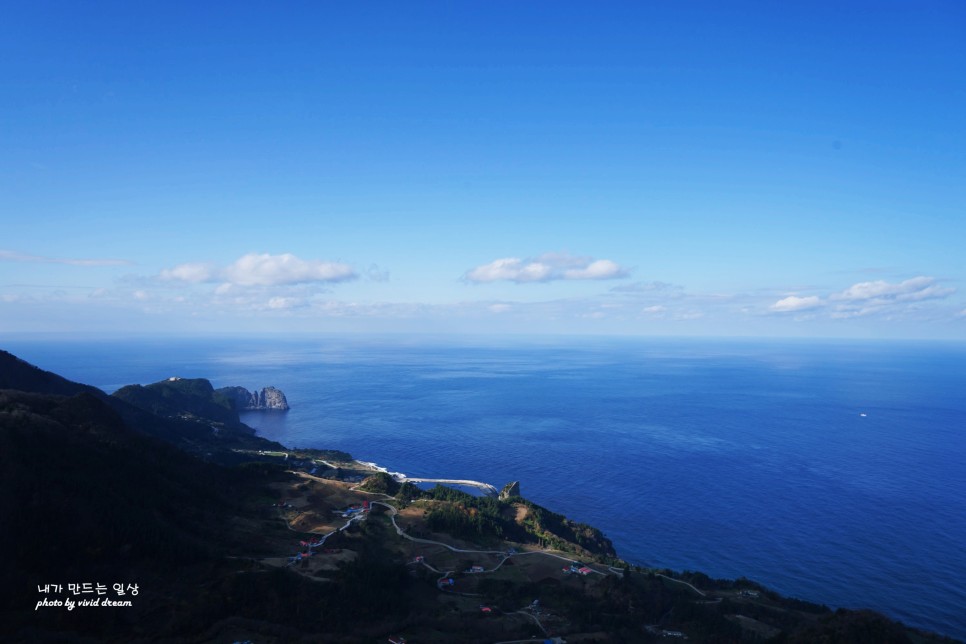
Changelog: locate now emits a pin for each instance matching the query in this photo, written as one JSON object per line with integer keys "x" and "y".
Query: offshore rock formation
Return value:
{"x": 268, "y": 398}
{"x": 510, "y": 490}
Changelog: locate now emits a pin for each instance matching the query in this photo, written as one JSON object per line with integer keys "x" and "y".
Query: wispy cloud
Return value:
{"x": 190, "y": 272}
{"x": 376, "y": 274}
{"x": 646, "y": 287}
{"x": 866, "y": 298}
{"x": 283, "y": 303}
{"x": 13, "y": 256}
{"x": 911, "y": 290}
{"x": 263, "y": 269}
{"x": 545, "y": 268}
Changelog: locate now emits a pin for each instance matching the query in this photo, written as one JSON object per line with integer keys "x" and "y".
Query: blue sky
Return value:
{"x": 608, "y": 168}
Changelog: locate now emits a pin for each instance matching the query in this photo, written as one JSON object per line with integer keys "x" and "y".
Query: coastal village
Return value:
{"x": 327, "y": 510}
{"x": 327, "y": 515}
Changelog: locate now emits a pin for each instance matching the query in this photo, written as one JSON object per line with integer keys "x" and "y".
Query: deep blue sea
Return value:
{"x": 829, "y": 471}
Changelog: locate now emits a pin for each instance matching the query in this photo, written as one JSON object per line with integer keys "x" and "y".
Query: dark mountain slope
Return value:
{"x": 23, "y": 376}
{"x": 69, "y": 465}
{"x": 153, "y": 410}
{"x": 85, "y": 499}
{"x": 184, "y": 398}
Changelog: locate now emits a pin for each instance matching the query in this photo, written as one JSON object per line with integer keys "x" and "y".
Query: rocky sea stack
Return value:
{"x": 268, "y": 398}
{"x": 510, "y": 490}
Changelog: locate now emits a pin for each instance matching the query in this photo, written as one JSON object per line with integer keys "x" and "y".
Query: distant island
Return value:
{"x": 213, "y": 533}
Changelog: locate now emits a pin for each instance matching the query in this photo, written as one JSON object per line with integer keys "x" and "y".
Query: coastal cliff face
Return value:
{"x": 268, "y": 398}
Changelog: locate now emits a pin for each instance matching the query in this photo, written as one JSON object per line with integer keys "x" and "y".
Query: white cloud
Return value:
{"x": 270, "y": 270}
{"x": 13, "y": 256}
{"x": 545, "y": 268}
{"x": 795, "y": 303}
{"x": 911, "y": 290}
{"x": 256, "y": 269}
{"x": 509, "y": 268}
{"x": 601, "y": 269}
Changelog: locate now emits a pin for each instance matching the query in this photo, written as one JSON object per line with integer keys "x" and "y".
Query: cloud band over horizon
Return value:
{"x": 545, "y": 268}
{"x": 262, "y": 269}
{"x": 13, "y": 256}
{"x": 865, "y": 298}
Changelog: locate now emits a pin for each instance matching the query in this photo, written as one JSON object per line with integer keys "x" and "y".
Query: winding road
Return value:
{"x": 611, "y": 570}
{"x": 401, "y": 532}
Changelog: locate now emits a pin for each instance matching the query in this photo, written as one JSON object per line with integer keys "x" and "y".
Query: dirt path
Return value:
{"x": 678, "y": 581}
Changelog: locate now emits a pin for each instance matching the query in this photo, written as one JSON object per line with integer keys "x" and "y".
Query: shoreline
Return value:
{"x": 486, "y": 488}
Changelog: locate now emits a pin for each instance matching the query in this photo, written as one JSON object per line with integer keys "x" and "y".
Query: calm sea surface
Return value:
{"x": 833, "y": 472}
